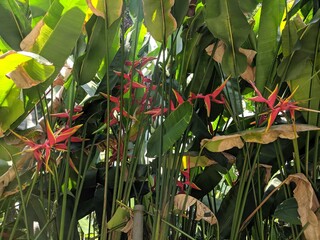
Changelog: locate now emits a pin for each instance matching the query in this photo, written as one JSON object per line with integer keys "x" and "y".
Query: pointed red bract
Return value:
{"x": 50, "y": 135}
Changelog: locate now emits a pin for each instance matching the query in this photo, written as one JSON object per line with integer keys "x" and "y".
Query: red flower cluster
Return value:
{"x": 57, "y": 140}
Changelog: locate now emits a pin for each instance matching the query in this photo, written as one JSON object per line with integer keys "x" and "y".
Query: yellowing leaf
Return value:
{"x": 259, "y": 135}
{"x": 27, "y": 43}
{"x": 10, "y": 61}
{"x": 182, "y": 202}
{"x": 158, "y": 18}
{"x": 308, "y": 205}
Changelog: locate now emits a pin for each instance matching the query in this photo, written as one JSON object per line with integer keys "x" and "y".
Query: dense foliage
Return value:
{"x": 206, "y": 113}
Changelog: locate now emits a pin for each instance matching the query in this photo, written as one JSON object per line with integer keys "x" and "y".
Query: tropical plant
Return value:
{"x": 147, "y": 119}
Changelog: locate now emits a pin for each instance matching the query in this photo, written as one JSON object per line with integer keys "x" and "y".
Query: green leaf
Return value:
{"x": 268, "y": 37}
{"x": 158, "y": 19}
{"x": 290, "y": 35}
{"x": 287, "y": 211}
{"x": 173, "y": 128}
{"x": 298, "y": 69}
{"x": 38, "y": 9}
{"x": 179, "y": 10}
{"x": 14, "y": 25}
{"x": 226, "y": 21}
{"x": 119, "y": 219}
{"x": 88, "y": 65}
{"x": 114, "y": 10}
{"x": 53, "y": 38}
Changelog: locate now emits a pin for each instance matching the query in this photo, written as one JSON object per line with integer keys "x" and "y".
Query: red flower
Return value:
{"x": 212, "y": 97}
{"x": 284, "y": 104}
{"x": 55, "y": 140}
{"x": 186, "y": 174}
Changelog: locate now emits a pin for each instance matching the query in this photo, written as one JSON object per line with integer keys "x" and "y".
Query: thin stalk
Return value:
{"x": 307, "y": 154}
{"x": 80, "y": 183}
{"x": 67, "y": 170}
{"x": 23, "y": 202}
{"x": 316, "y": 158}
{"x": 107, "y": 117}
{"x": 178, "y": 229}
{"x": 296, "y": 156}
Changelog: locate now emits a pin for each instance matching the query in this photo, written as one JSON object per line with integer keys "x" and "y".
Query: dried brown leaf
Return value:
{"x": 259, "y": 135}
{"x": 308, "y": 205}
{"x": 183, "y": 202}
{"x": 22, "y": 79}
{"x": 28, "y": 42}
{"x": 249, "y": 73}
{"x": 222, "y": 143}
{"x": 10, "y": 174}
{"x": 218, "y": 54}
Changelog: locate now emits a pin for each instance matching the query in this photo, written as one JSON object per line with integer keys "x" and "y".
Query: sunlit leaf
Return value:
{"x": 158, "y": 18}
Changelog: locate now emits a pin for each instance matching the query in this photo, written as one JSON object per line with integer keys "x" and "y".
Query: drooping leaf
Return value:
{"x": 259, "y": 135}
{"x": 173, "y": 128}
{"x": 268, "y": 37}
{"x": 158, "y": 18}
{"x": 227, "y": 22}
{"x": 182, "y": 203}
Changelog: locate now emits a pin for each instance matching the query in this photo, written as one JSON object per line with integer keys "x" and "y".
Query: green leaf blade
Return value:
{"x": 173, "y": 127}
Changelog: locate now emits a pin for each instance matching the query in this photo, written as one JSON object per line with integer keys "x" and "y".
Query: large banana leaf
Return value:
{"x": 227, "y": 22}
{"x": 53, "y": 38}
{"x": 24, "y": 71}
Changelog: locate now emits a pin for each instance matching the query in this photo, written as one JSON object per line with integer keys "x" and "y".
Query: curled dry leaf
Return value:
{"x": 308, "y": 205}
{"x": 249, "y": 73}
{"x": 259, "y": 135}
{"x": 183, "y": 202}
